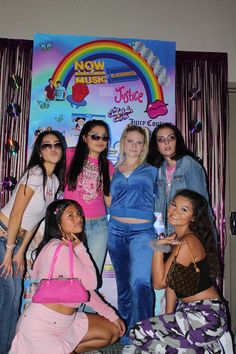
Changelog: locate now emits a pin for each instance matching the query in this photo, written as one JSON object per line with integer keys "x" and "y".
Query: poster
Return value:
{"x": 121, "y": 81}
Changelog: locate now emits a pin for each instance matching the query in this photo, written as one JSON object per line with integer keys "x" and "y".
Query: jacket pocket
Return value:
{"x": 161, "y": 187}
{"x": 178, "y": 182}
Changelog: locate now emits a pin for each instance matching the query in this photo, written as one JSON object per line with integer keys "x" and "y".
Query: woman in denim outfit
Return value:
{"x": 177, "y": 168}
{"x": 19, "y": 219}
{"x": 131, "y": 228}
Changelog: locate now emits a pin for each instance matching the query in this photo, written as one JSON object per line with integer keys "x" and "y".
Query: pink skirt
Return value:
{"x": 42, "y": 330}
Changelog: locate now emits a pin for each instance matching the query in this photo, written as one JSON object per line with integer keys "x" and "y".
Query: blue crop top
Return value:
{"x": 134, "y": 197}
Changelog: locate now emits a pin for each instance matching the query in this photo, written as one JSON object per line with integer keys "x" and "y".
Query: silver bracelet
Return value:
{"x": 159, "y": 248}
{"x": 11, "y": 247}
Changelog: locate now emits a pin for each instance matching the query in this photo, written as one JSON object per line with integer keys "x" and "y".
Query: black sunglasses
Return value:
{"x": 49, "y": 146}
{"x": 96, "y": 137}
{"x": 163, "y": 139}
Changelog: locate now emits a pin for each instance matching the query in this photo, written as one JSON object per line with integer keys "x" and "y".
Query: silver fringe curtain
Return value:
{"x": 205, "y": 76}
{"x": 15, "y": 59}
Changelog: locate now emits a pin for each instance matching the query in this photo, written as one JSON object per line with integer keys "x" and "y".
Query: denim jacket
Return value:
{"x": 134, "y": 197}
{"x": 188, "y": 174}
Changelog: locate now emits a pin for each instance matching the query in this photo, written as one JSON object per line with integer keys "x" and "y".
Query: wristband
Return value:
{"x": 159, "y": 248}
{"x": 11, "y": 247}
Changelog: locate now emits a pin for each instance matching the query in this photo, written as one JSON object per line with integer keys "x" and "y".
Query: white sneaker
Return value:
{"x": 129, "y": 349}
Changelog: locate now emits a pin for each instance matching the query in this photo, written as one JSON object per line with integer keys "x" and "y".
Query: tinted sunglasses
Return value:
{"x": 49, "y": 146}
{"x": 96, "y": 137}
{"x": 162, "y": 139}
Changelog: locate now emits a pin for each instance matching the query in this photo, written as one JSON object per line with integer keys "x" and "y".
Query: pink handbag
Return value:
{"x": 60, "y": 290}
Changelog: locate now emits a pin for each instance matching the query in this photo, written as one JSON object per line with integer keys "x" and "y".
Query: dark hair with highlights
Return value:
{"x": 35, "y": 158}
{"x": 202, "y": 228}
{"x": 53, "y": 216}
{"x": 155, "y": 158}
{"x": 81, "y": 154}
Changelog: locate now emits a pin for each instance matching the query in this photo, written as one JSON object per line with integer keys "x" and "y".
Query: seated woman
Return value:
{"x": 59, "y": 328}
{"x": 200, "y": 319}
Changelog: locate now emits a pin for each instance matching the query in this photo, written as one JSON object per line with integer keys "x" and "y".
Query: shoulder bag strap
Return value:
{"x": 177, "y": 250}
{"x": 55, "y": 256}
{"x": 194, "y": 263}
{"x": 71, "y": 259}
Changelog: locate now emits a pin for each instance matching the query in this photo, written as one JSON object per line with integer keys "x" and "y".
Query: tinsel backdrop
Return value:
{"x": 202, "y": 116}
{"x": 15, "y": 82}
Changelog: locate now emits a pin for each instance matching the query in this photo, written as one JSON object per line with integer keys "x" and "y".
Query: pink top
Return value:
{"x": 169, "y": 176}
{"x": 83, "y": 269}
{"x": 89, "y": 190}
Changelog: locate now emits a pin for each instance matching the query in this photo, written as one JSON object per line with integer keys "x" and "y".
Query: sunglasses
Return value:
{"x": 96, "y": 137}
{"x": 162, "y": 139}
{"x": 49, "y": 146}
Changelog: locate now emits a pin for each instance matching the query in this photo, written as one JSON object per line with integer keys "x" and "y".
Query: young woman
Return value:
{"x": 19, "y": 219}
{"x": 59, "y": 328}
{"x": 88, "y": 181}
{"x": 200, "y": 317}
{"x": 177, "y": 168}
{"x": 131, "y": 228}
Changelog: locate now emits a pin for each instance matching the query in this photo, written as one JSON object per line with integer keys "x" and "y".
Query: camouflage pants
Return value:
{"x": 193, "y": 328}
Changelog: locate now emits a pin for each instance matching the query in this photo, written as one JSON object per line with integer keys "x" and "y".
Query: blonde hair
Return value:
{"x": 134, "y": 128}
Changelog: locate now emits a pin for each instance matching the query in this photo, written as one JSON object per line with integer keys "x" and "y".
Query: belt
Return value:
{"x": 3, "y": 229}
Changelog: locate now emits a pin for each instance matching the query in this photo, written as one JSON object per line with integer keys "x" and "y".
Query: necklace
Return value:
{"x": 49, "y": 184}
{"x": 130, "y": 167}
{"x": 169, "y": 176}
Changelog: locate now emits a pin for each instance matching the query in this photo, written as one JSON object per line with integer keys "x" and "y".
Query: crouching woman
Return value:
{"x": 199, "y": 319}
{"x": 57, "y": 328}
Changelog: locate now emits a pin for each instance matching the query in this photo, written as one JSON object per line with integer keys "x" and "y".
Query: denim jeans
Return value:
{"x": 97, "y": 234}
{"x": 131, "y": 256}
{"x": 10, "y": 295}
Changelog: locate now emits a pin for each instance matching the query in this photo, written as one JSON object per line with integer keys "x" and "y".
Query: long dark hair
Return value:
{"x": 35, "y": 158}
{"x": 155, "y": 158}
{"x": 81, "y": 154}
{"x": 53, "y": 216}
{"x": 202, "y": 227}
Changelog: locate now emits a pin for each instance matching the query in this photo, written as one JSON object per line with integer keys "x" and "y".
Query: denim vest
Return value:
{"x": 188, "y": 174}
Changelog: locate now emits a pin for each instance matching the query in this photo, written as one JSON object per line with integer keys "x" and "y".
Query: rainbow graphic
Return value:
{"x": 115, "y": 50}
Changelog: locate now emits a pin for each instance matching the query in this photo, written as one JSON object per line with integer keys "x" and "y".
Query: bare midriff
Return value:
{"x": 65, "y": 310}
{"x": 208, "y": 294}
{"x": 4, "y": 219}
{"x": 131, "y": 220}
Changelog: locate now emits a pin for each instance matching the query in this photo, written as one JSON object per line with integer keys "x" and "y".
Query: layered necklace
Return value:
{"x": 169, "y": 176}
{"x": 130, "y": 167}
{"x": 49, "y": 185}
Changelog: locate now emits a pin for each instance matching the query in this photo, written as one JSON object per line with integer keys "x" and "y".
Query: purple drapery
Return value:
{"x": 15, "y": 59}
{"x": 207, "y": 72}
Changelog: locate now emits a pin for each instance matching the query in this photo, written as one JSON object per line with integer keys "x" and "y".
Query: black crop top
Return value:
{"x": 205, "y": 279}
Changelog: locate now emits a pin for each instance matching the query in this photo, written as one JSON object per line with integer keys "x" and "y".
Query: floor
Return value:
{"x": 117, "y": 349}
{"x": 113, "y": 349}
